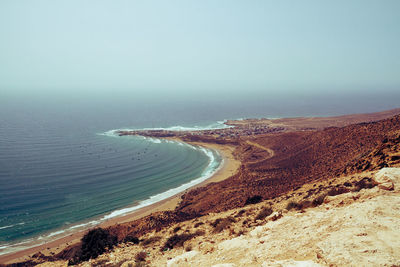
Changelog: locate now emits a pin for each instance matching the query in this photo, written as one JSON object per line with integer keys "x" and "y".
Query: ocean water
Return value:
{"x": 62, "y": 168}
{"x": 59, "y": 174}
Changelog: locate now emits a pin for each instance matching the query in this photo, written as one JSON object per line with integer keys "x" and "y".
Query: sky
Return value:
{"x": 204, "y": 48}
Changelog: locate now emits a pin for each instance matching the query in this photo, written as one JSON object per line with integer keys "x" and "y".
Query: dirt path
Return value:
{"x": 270, "y": 151}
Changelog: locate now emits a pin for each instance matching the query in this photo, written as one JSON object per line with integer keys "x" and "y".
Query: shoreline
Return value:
{"x": 289, "y": 125}
{"x": 228, "y": 166}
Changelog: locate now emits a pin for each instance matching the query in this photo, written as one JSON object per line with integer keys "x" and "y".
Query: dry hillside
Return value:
{"x": 290, "y": 186}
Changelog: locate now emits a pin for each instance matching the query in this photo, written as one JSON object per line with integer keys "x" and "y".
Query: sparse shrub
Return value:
{"x": 232, "y": 232}
{"x": 95, "y": 243}
{"x": 319, "y": 200}
{"x": 292, "y": 205}
{"x": 188, "y": 248}
{"x": 176, "y": 229}
{"x": 337, "y": 191}
{"x": 199, "y": 232}
{"x": 347, "y": 184}
{"x": 395, "y": 157}
{"x": 240, "y": 213}
{"x": 150, "y": 240}
{"x": 305, "y": 204}
{"x": 141, "y": 256}
{"x": 222, "y": 223}
{"x": 132, "y": 239}
{"x": 364, "y": 183}
{"x": 299, "y": 206}
{"x": 309, "y": 193}
{"x": 254, "y": 200}
{"x": 198, "y": 224}
{"x": 266, "y": 211}
{"x": 241, "y": 232}
{"x": 177, "y": 241}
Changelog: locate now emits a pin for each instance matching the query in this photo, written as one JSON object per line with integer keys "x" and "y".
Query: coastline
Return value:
{"x": 224, "y": 171}
{"x": 228, "y": 166}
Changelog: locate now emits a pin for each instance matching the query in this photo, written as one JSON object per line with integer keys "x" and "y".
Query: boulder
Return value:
{"x": 387, "y": 178}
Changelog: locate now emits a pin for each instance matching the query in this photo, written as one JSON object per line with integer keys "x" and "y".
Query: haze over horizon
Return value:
{"x": 195, "y": 50}
{"x": 111, "y": 110}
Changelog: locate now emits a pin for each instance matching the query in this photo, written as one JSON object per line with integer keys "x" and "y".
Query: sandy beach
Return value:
{"x": 229, "y": 166}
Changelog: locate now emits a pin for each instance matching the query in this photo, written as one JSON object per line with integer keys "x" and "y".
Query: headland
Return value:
{"x": 266, "y": 160}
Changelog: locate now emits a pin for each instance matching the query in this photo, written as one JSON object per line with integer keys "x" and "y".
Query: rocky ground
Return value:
{"x": 304, "y": 198}
{"x": 358, "y": 226}
{"x": 298, "y": 158}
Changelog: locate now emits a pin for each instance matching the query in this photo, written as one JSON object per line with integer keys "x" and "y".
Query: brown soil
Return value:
{"x": 275, "y": 165}
{"x": 299, "y": 158}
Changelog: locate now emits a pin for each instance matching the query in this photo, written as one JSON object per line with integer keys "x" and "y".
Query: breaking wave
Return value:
{"x": 213, "y": 166}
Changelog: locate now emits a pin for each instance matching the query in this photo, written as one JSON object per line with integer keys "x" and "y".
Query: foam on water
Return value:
{"x": 178, "y": 128}
{"x": 8, "y": 248}
{"x": 153, "y": 140}
{"x": 12, "y": 225}
{"x": 84, "y": 225}
{"x": 113, "y": 133}
{"x": 212, "y": 167}
{"x": 56, "y": 233}
{"x": 213, "y": 126}
{"x": 42, "y": 239}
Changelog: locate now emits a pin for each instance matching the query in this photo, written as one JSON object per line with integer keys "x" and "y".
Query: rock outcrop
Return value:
{"x": 355, "y": 228}
{"x": 387, "y": 178}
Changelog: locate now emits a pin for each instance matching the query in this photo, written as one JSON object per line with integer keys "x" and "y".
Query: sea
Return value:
{"x": 63, "y": 168}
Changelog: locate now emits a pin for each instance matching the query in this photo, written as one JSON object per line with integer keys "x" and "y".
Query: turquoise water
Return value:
{"x": 57, "y": 178}
{"x": 62, "y": 169}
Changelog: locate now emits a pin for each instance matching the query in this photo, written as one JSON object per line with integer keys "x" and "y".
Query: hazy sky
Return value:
{"x": 183, "y": 47}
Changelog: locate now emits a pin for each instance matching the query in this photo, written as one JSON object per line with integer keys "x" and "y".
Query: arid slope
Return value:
{"x": 354, "y": 228}
{"x": 297, "y": 168}
{"x": 299, "y": 158}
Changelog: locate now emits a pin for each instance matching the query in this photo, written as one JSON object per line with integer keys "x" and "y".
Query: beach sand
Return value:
{"x": 229, "y": 167}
